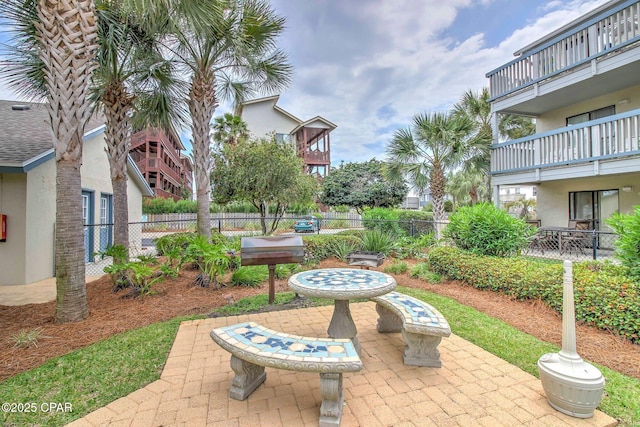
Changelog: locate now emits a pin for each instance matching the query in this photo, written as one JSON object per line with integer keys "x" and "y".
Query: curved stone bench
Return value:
{"x": 254, "y": 347}
{"x": 422, "y": 327}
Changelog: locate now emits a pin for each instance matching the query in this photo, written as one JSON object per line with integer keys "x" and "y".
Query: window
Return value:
{"x": 591, "y": 115}
{"x": 283, "y": 137}
{"x": 596, "y": 206}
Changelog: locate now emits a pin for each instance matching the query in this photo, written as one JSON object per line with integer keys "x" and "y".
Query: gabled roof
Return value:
{"x": 273, "y": 100}
{"x": 316, "y": 118}
{"x": 25, "y": 134}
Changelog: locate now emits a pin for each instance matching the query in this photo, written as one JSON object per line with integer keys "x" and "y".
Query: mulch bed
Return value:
{"x": 110, "y": 314}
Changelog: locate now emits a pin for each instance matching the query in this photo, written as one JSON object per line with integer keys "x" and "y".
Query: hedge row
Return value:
{"x": 604, "y": 296}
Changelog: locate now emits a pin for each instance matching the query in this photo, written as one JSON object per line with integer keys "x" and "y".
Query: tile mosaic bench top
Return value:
{"x": 417, "y": 315}
{"x": 342, "y": 283}
{"x": 265, "y": 347}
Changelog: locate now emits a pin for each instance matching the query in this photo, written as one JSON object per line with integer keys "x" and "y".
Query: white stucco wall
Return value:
{"x": 261, "y": 118}
{"x": 13, "y": 203}
{"x": 553, "y": 196}
{"x": 558, "y": 118}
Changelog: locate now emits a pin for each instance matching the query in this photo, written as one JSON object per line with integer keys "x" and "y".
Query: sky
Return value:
{"x": 369, "y": 66}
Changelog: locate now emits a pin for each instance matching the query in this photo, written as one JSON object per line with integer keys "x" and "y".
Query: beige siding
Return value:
{"x": 553, "y": 196}
{"x": 13, "y": 204}
{"x": 29, "y": 202}
{"x": 555, "y": 119}
{"x": 41, "y": 217}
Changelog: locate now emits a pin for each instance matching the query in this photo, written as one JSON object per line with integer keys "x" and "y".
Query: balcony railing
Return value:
{"x": 606, "y": 138}
{"x": 316, "y": 157}
{"x": 599, "y": 36}
{"x": 155, "y": 164}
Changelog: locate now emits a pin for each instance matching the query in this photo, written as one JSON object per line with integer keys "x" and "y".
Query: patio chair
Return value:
{"x": 576, "y": 240}
{"x": 541, "y": 239}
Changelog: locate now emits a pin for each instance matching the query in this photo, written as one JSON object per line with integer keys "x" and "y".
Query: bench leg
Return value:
{"x": 421, "y": 350}
{"x": 388, "y": 321}
{"x": 248, "y": 377}
{"x": 332, "y": 399}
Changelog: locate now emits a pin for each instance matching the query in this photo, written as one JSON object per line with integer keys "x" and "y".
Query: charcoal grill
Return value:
{"x": 271, "y": 251}
{"x": 365, "y": 259}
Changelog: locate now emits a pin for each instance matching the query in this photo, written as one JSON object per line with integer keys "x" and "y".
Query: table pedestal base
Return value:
{"x": 342, "y": 324}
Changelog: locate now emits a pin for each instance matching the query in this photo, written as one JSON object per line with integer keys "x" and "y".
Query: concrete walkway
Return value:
{"x": 473, "y": 388}
{"x": 33, "y": 293}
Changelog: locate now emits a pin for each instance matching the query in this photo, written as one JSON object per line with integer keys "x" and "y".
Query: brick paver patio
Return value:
{"x": 473, "y": 387}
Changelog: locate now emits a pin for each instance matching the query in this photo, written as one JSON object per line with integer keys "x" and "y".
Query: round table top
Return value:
{"x": 342, "y": 283}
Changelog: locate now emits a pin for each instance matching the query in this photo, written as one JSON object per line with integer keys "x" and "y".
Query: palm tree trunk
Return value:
{"x": 120, "y": 214}
{"x": 437, "y": 185}
{"x": 118, "y": 138}
{"x": 202, "y": 104}
{"x": 67, "y": 33}
{"x": 71, "y": 302}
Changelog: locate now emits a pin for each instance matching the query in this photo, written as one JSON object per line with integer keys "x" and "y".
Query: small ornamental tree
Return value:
{"x": 361, "y": 186}
{"x": 265, "y": 173}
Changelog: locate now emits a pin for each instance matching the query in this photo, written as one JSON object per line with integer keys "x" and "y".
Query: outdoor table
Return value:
{"x": 555, "y": 232}
{"x": 342, "y": 285}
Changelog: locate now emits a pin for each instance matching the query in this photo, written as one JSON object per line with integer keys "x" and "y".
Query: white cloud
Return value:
{"x": 369, "y": 66}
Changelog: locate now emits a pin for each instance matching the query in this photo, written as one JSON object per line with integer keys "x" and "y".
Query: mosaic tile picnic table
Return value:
{"x": 342, "y": 285}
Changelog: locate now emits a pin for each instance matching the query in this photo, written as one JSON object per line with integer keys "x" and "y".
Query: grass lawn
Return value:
{"x": 94, "y": 376}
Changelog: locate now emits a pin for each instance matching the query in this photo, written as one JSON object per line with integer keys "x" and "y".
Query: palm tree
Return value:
{"x": 514, "y": 127}
{"x": 230, "y": 55}
{"x": 424, "y": 153}
{"x": 468, "y": 186}
{"x": 131, "y": 76}
{"x": 61, "y": 38}
{"x": 477, "y": 108}
{"x": 229, "y": 129}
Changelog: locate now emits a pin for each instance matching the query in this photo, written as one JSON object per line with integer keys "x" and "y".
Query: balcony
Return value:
{"x": 154, "y": 164}
{"x": 598, "y": 147}
{"x": 316, "y": 157}
{"x": 597, "y": 55}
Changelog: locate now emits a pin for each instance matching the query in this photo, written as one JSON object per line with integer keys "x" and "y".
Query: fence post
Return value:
{"x": 219, "y": 226}
{"x": 594, "y": 244}
{"x": 412, "y": 229}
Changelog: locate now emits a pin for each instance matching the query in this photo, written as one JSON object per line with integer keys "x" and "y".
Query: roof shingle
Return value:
{"x": 26, "y": 133}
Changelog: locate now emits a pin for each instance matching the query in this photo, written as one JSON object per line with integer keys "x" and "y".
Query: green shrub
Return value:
{"x": 284, "y": 271}
{"x": 407, "y": 247}
{"x": 604, "y": 295}
{"x": 319, "y": 246}
{"x": 397, "y": 267}
{"x": 355, "y": 233}
{"x": 252, "y": 275}
{"x": 422, "y": 271}
{"x": 448, "y": 206}
{"x": 415, "y": 223}
{"x": 211, "y": 259}
{"x": 159, "y": 205}
{"x": 340, "y": 248}
{"x": 383, "y": 219}
{"x": 627, "y": 227}
{"x": 378, "y": 241}
{"x": 483, "y": 229}
{"x": 166, "y": 243}
{"x": 336, "y": 223}
{"x": 233, "y": 207}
